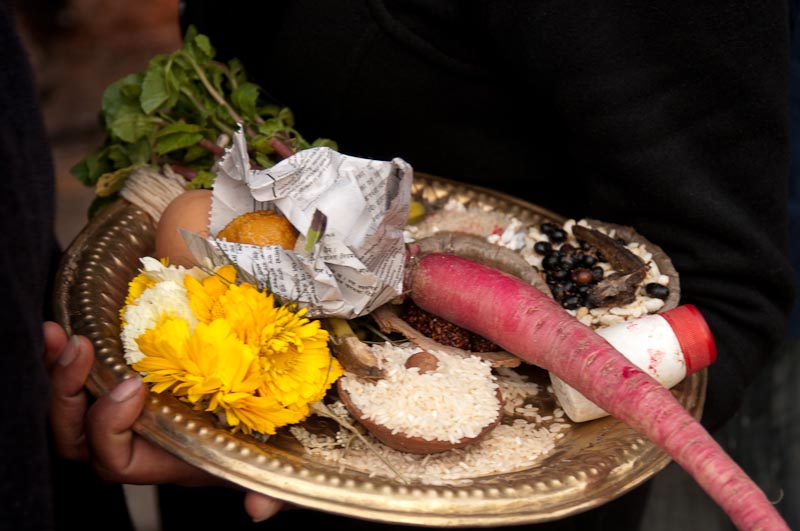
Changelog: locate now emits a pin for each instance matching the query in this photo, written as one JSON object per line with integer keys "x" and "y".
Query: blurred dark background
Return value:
{"x": 77, "y": 48}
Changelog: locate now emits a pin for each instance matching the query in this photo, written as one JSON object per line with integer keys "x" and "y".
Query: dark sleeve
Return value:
{"x": 26, "y": 247}
{"x": 673, "y": 115}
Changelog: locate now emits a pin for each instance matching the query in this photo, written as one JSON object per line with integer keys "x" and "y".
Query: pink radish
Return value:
{"x": 526, "y": 322}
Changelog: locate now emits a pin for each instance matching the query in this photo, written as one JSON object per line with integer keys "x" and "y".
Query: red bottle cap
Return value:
{"x": 694, "y": 336}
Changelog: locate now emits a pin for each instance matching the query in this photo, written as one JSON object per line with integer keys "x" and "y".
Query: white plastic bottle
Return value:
{"x": 669, "y": 346}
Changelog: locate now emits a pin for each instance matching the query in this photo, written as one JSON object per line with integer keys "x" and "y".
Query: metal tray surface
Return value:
{"x": 594, "y": 463}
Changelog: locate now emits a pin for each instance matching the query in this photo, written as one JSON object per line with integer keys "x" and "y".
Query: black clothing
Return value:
{"x": 26, "y": 247}
{"x": 794, "y": 167}
{"x": 671, "y": 117}
{"x": 39, "y": 491}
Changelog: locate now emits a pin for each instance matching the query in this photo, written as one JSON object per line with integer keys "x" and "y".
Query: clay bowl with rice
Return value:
{"x": 426, "y": 403}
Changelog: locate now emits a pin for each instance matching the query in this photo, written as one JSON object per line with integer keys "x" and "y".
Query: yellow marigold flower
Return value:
{"x": 212, "y": 369}
{"x": 204, "y": 295}
{"x": 294, "y": 354}
{"x": 250, "y": 413}
{"x": 169, "y": 363}
{"x": 293, "y": 350}
{"x": 249, "y": 311}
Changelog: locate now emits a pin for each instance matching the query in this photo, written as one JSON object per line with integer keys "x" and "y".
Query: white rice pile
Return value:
{"x": 455, "y": 401}
{"x": 518, "y": 443}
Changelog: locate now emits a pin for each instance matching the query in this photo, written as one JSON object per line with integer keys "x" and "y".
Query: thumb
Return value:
{"x": 122, "y": 456}
{"x": 260, "y": 507}
{"x": 71, "y": 362}
{"x": 109, "y": 424}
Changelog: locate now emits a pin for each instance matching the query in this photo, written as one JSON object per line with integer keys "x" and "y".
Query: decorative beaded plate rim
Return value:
{"x": 595, "y": 463}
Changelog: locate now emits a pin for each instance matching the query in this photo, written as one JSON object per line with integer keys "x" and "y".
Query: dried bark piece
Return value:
{"x": 660, "y": 258}
{"x": 618, "y": 288}
{"x": 620, "y": 258}
{"x": 355, "y": 356}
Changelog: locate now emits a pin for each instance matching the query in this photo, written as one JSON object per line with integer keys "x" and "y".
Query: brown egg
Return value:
{"x": 189, "y": 211}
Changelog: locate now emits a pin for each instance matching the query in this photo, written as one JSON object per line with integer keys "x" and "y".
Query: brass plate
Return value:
{"x": 594, "y": 463}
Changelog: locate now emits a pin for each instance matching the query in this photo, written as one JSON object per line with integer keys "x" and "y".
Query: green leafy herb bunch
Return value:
{"x": 180, "y": 112}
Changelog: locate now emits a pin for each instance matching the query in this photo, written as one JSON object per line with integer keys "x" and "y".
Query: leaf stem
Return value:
{"x": 214, "y": 94}
{"x": 211, "y": 147}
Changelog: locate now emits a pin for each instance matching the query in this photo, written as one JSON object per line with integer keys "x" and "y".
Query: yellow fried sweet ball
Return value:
{"x": 261, "y": 227}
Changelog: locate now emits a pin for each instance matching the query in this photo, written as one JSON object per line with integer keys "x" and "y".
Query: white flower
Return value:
{"x": 166, "y": 298}
{"x": 158, "y": 272}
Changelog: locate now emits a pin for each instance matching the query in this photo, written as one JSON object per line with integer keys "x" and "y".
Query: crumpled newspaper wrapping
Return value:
{"x": 356, "y": 266}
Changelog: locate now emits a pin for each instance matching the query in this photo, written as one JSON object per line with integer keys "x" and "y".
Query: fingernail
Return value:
{"x": 126, "y": 389}
{"x": 70, "y": 352}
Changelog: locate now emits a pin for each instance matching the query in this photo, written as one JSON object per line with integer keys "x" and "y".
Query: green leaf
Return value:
{"x": 196, "y": 153}
{"x": 269, "y": 110}
{"x": 178, "y": 135}
{"x": 198, "y": 48}
{"x": 237, "y": 72}
{"x": 287, "y": 116}
{"x": 130, "y": 92}
{"x": 118, "y": 155}
{"x": 244, "y": 98}
{"x": 130, "y": 124}
{"x": 176, "y": 74}
{"x": 297, "y": 141}
{"x": 223, "y": 116}
{"x": 264, "y": 161}
{"x": 191, "y": 33}
{"x": 101, "y": 203}
{"x": 112, "y": 182}
{"x": 325, "y": 142}
{"x": 169, "y": 143}
{"x": 89, "y": 170}
{"x": 139, "y": 152}
{"x": 203, "y": 44}
{"x": 204, "y": 179}
{"x": 155, "y": 91}
{"x": 261, "y": 144}
{"x": 218, "y": 78}
{"x": 81, "y": 172}
{"x": 116, "y": 96}
{"x": 179, "y": 127}
{"x": 272, "y": 127}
